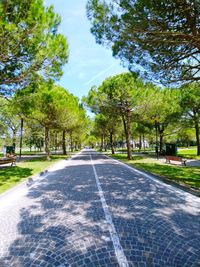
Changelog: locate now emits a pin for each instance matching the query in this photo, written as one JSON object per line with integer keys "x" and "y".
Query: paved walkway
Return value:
{"x": 93, "y": 211}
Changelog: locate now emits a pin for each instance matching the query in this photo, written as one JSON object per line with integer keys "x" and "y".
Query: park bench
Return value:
{"x": 9, "y": 159}
{"x": 175, "y": 158}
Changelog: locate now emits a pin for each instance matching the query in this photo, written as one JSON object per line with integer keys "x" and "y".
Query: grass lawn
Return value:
{"x": 181, "y": 174}
{"x": 10, "y": 176}
{"x": 190, "y": 153}
{"x": 29, "y": 152}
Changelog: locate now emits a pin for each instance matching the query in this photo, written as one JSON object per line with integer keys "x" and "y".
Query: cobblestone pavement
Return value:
{"x": 61, "y": 219}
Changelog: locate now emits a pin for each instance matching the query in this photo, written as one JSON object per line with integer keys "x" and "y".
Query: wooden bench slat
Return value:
{"x": 175, "y": 158}
{"x": 8, "y": 160}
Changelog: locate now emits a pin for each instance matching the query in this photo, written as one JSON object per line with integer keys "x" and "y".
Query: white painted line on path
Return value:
{"x": 121, "y": 258}
{"x": 170, "y": 187}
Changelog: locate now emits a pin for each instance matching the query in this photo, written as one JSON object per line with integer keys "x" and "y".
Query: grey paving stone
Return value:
{"x": 59, "y": 221}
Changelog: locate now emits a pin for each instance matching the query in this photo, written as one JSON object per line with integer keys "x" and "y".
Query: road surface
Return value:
{"x": 93, "y": 211}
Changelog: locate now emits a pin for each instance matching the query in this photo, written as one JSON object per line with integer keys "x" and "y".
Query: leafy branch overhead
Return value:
{"x": 30, "y": 42}
{"x": 161, "y": 36}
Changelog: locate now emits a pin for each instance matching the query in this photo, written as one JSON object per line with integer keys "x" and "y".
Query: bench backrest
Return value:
{"x": 8, "y": 159}
{"x": 174, "y": 158}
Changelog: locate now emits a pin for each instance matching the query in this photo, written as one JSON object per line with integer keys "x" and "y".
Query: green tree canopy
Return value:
{"x": 190, "y": 102}
{"x": 162, "y": 36}
{"x": 8, "y": 117}
{"x": 52, "y": 106}
{"x": 30, "y": 42}
{"x": 118, "y": 95}
{"x": 160, "y": 107}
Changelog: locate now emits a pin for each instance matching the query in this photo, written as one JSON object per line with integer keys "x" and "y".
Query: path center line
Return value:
{"x": 121, "y": 258}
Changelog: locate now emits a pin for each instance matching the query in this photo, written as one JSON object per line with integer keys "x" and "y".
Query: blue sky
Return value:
{"x": 89, "y": 63}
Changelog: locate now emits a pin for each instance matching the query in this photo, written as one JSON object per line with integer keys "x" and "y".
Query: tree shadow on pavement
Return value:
{"x": 63, "y": 223}
{"x": 188, "y": 175}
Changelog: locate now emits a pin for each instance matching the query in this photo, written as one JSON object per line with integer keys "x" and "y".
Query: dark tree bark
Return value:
{"x": 47, "y": 143}
{"x": 71, "y": 142}
{"x": 129, "y": 135}
{"x": 104, "y": 143}
{"x": 14, "y": 137}
{"x": 21, "y": 137}
{"x": 64, "y": 142}
{"x": 140, "y": 142}
{"x": 161, "y": 142}
{"x": 144, "y": 146}
{"x": 127, "y": 131}
{"x": 161, "y": 129}
{"x": 101, "y": 148}
{"x": 197, "y": 136}
{"x": 111, "y": 143}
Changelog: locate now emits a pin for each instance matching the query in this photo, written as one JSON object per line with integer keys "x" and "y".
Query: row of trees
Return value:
{"x": 32, "y": 54}
{"x": 160, "y": 41}
{"x": 126, "y": 100}
{"x": 45, "y": 108}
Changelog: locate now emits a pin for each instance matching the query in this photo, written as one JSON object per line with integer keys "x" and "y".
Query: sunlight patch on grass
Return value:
{"x": 181, "y": 174}
{"x": 189, "y": 153}
{"x": 10, "y": 176}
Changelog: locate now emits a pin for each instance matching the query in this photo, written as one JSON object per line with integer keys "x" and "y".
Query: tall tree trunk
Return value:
{"x": 71, "y": 142}
{"x": 104, "y": 143}
{"x": 140, "y": 142}
{"x": 21, "y": 136}
{"x": 129, "y": 135}
{"x": 144, "y": 145}
{"x": 47, "y": 143}
{"x": 56, "y": 142}
{"x": 161, "y": 142}
{"x": 111, "y": 143}
{"x": 161, "y": 135}
{"x": 101, "y": 148}
{"x": 14, "y": 138}
{"x": 76, "y": 145}
{"x": 127, "y": 131}
{"x": 197, "y": 136}
{"x": 41, "y": 144}
{"x": 64, "y": 142}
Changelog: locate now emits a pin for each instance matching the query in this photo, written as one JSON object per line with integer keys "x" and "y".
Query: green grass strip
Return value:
{"x": 182, "y": 174}
{"x": 12, "y": 175}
